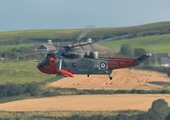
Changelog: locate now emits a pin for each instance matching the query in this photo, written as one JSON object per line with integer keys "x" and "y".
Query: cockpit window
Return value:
{"x": 50, "y": 54}
{"x": 46, "y": 61}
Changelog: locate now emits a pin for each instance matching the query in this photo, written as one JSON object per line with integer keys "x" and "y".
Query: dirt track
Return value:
{"x": 122, "y": 79}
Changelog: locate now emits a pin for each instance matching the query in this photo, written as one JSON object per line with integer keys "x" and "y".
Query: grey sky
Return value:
{"x": 67, "y": 14}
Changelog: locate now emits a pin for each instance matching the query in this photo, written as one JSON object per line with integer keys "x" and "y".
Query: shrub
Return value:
{"x": 168, "y": 72}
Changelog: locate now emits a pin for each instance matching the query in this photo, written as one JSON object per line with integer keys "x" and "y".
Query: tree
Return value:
{"x": 126, "y": 49}
{"x": 159, "y": 110}
{"x": 122, "y": 117}
{"x": 139, "y": 51}
{"x": 32, "y": 88}
{"x": 22, "y": 53}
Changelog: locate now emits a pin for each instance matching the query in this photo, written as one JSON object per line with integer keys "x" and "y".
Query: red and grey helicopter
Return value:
{"x": 73, "y": 60}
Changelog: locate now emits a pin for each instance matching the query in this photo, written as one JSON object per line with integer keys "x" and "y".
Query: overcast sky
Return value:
{"x": 68, "y": 14}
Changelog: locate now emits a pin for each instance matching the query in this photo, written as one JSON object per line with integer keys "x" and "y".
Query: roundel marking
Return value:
{"x": 102, "y": 65}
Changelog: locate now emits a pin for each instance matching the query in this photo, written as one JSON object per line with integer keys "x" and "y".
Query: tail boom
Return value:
{"x": 116, "y": 63}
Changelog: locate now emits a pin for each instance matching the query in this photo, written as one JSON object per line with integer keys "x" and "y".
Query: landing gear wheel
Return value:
{"x": 88, "y": 75}
{"x": 110, "y": 77}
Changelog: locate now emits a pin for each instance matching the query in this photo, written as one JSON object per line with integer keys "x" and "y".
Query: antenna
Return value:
{"x": 58, "y": 46}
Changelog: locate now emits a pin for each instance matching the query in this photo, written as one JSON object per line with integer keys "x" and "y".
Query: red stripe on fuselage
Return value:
{"x": 116, "y": 63}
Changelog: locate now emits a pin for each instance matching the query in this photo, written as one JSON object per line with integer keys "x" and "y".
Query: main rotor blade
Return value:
{"x": 107, "y": 39}
{"x": 114, "y": 38}
{"x": 84, "y": 33}
{"x": 104, "y": 40}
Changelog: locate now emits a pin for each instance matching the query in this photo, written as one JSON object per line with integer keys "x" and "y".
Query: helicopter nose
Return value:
{"x": 48, "y": 66}
{"x": 40, "y": 65}
{"x": 41, "y": 68}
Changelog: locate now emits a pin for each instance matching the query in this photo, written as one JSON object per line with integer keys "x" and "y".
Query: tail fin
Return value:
{"x": 142, "y": 58}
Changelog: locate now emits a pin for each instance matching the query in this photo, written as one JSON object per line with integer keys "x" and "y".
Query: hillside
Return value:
{"x": 153, "y": 44}
{"x": 21, "y": 72}
{"x": 15, "y": 37}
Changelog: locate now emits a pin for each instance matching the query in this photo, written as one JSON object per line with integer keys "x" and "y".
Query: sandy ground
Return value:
{"x": 122, "y": 79}
{"x": 85, "y": 102}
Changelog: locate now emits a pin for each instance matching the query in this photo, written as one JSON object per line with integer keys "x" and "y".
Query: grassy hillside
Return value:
{"x": 38, "y": 34}
{"x": 155, "y": 44}
{"x": 21, "y": 72}
{"x": 155, "y": 35}
{"x": 96, "y": 33}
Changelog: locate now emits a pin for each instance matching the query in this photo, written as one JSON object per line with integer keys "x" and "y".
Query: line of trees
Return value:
{"x": 11, "y": 89}
{"x": 21, "y": 54}
{"x": 35, "y": 89}
{"x": 127, "y": 50}
{"x": 10, "y": 42}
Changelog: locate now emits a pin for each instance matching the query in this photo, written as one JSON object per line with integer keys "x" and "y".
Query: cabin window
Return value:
{"x": 74, "y": 64}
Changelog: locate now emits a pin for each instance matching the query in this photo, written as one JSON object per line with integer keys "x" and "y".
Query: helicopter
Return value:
{"x": 72, "y": 59}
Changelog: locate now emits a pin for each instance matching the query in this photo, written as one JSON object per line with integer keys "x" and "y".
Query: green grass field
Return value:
{"x": 21, "y": 72}
{"x": 36, "y": 34}
{"x": 9, "y": 47}
{"x": 154, "y": 44}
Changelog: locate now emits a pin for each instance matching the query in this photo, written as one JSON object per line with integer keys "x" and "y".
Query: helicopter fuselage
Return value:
{"x": 94, "y": 66}
{"x": 64, "y": 65}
